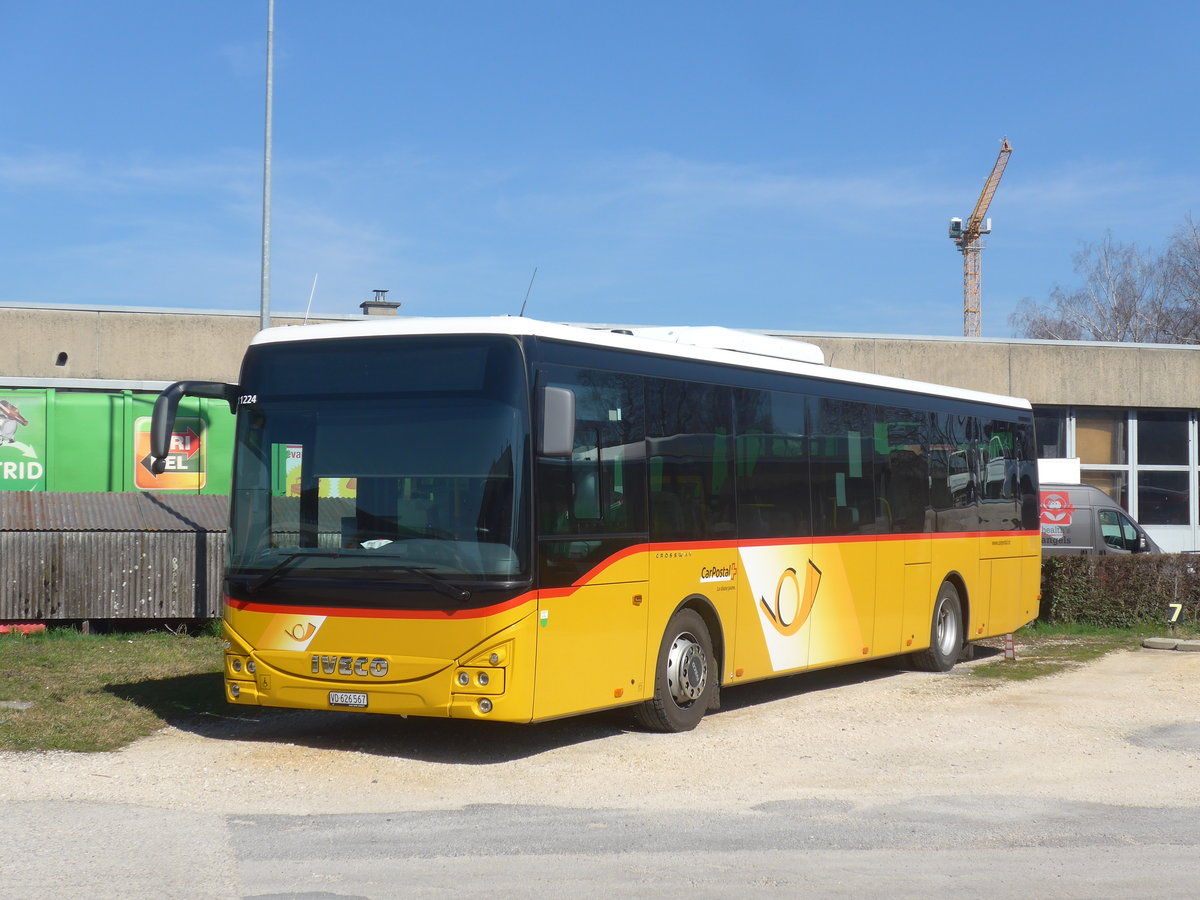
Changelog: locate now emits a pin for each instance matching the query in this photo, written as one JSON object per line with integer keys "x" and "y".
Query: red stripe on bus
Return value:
{"x": 357, "y": 613}
{"x": 835, "y": 539}
{"x": 610, "y": 561}
{"x": 548, "y": 593}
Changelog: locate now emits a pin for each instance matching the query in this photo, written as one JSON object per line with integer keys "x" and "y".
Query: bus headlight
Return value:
{"x": 479, "y": 681}
{"x": 485, "y": 705}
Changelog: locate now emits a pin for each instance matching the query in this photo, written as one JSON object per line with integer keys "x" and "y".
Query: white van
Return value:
{"x": 1080, "y": 520}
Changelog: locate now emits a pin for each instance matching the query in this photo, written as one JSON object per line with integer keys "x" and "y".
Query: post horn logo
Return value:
{"x": 301, "y": 631}
{"x": 793, "y": 602}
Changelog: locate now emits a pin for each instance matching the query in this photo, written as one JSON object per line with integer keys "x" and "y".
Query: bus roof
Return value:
{"x": 722, "y": 346}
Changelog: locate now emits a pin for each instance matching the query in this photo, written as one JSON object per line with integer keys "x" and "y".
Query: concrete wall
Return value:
{"x": 166, "y": 345}
{"x": 1044, "y": 372}
{"x": 125, "y": 345}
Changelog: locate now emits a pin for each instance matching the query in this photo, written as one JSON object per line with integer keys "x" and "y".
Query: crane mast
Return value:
{"x": 969, "y": 240}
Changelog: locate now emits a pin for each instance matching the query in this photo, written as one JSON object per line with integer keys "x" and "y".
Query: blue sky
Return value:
{"x": 770, "y": 165}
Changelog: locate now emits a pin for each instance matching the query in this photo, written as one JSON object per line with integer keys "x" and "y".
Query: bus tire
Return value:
{"x": 685, "y": 676}
{"x": 945, "y": 633}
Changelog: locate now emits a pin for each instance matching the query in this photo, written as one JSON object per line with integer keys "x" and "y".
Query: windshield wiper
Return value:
{"x": 439, "y": 584}
{"x": 253, "y": 584}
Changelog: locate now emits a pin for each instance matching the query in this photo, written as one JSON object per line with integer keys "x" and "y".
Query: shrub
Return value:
{"x": 1121, "y": 591}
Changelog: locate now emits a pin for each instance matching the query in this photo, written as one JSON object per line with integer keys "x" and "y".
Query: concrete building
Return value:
{"x": 1129, "y": 412}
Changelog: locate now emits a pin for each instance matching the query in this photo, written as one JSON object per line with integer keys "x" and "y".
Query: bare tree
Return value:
{"x": 1182, "y": 262}
{"x": 1125, "y": 296}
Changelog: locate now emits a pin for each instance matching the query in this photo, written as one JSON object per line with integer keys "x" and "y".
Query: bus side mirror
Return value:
{"x": 1142, "y": 546}
{"x": 163, "y": 420}
{"x": 558, "y": 422}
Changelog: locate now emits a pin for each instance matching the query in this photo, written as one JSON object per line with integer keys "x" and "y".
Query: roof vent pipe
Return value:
{"x": 380, "y": 306}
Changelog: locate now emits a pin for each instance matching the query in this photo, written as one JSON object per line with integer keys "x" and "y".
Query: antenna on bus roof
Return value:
{"x": 310, "y": 296}
{"x": 527, "y": 290}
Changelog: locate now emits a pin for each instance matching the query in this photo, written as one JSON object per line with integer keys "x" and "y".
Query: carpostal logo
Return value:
{"x": 793, "y": 600}
{"x": 710, "y": 574}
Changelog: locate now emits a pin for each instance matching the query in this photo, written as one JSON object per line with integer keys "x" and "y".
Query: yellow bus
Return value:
{"x": 505, "y": 519}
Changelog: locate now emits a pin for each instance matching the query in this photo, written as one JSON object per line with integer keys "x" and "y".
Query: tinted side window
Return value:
{"x": 841, "y": 463}
{"x": 772, "y": 465}
{"x": 952, "y": 468}
{"x": 1001, "y": 447}
{"x": 689, "y": 433}
{"x": 1027, "y": 464}
{"x": 600, "y": 489}
{"x": 902, "y": 468}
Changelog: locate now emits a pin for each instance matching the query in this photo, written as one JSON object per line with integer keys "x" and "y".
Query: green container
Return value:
{"x": 85, "y": 441}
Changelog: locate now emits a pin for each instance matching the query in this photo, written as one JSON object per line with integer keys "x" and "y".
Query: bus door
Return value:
{"x": 593, "y": 594}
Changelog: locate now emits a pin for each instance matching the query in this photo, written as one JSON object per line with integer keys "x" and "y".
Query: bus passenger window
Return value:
{"x": 902, "y": 468}
{"x": 772, "y": 465}
{"x": 690, "y": 436}
{"x": 952, "y": 471}
{"x": 842, "y": 466}
{"x": 598, "y": 489}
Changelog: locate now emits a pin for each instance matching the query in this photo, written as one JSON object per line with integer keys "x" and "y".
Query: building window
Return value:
{"x": 1162, "y": 437}
{"x": 1050, "y": 425}
{"x": 1163, "y": 498}
{"x": 1142, "y": 458}
{"x": 1100, "y": 436}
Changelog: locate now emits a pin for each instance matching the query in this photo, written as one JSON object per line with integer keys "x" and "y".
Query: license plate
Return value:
{"x": 348, "y": 698}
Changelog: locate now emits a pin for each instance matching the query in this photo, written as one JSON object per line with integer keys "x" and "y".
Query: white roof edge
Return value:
{"x": 719, "y": 338}
{"x": 620, "y": 339}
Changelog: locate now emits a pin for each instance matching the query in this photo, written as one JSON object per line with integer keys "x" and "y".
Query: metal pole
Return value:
{"x": 265, "y": 299}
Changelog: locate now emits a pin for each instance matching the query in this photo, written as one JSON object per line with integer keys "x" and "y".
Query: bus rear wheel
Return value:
{"x": 685, "y": 676}
{"x": 945, "y": 633}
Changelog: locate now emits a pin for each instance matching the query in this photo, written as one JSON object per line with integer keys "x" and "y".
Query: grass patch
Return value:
{"x": 63, "y": 690}
{"x": 1020, "y": 669}
{"x": 1044, "y": 650}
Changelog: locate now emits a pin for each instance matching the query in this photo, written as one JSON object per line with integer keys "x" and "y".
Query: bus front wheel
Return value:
{"x": 945, "y": 633}
{"x": 685, "y": 676}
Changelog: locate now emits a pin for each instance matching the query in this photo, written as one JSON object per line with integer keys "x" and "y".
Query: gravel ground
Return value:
{"x": 1122, "y": 730}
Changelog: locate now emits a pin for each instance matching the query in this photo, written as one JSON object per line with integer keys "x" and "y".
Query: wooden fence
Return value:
{"x": 110, "y": 556}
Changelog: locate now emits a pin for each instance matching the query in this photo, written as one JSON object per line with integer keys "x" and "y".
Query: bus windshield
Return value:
{"x": 397, "y": 460}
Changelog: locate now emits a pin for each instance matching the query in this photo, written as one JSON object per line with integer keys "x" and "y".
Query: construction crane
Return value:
{"x": 969, "y": 239}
